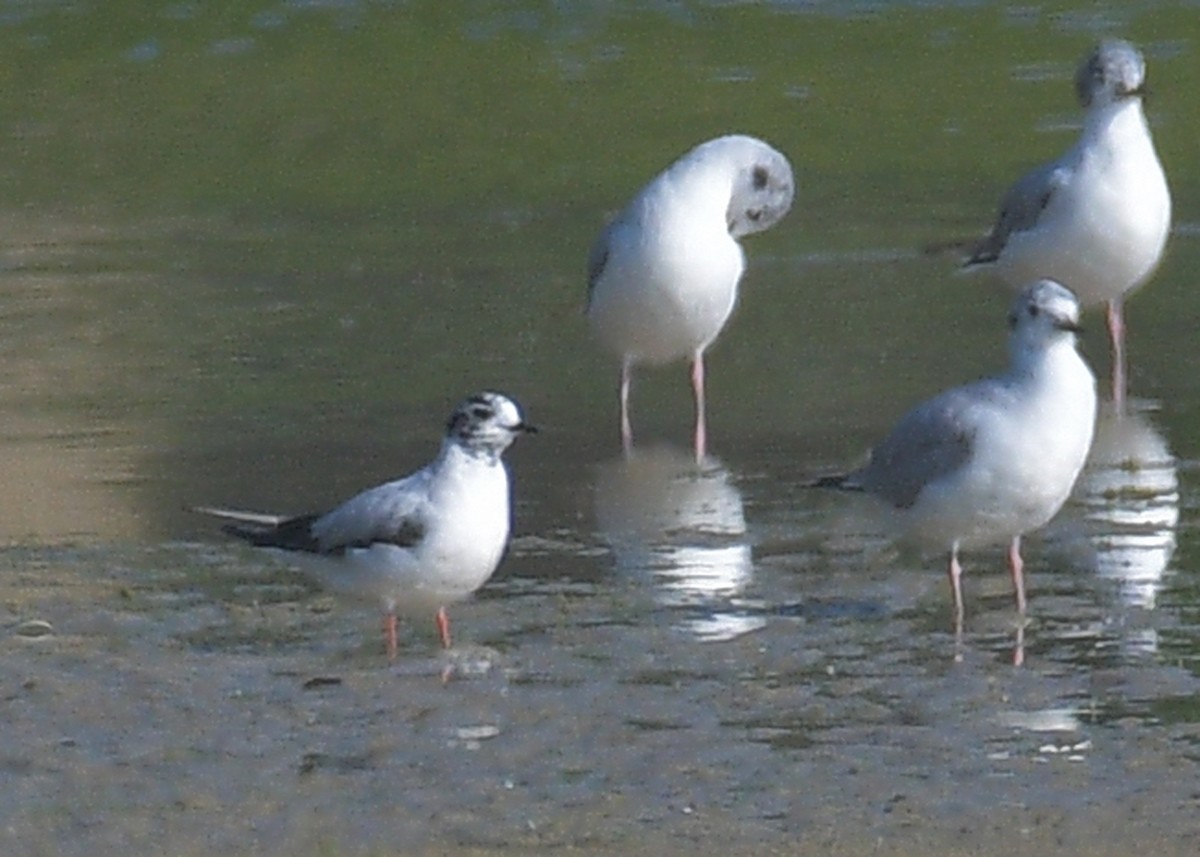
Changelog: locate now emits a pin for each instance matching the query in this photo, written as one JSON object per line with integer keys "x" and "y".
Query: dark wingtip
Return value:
{"x": 980, "y": 259}
{"x": 293, "y": 534}
{"x": 984, "y": 251}
{"x": 238, "y": 532}
{"x": 949, "y": 246}
{"x": 836, "y": 480}
{"x": 259, "y": 537}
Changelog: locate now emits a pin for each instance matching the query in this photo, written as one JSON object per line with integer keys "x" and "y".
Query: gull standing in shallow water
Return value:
{"x": 992, "y": 460}
{"x": 663, "y": 275}
{"x": 418, "y": 543}
{"x": 1097, "y": 218}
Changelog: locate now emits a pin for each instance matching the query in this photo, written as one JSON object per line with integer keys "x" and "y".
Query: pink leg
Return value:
{"x": 701, "y": 440}
{"x": 1116, "y": 332}
{"x": 626, "y": 426}
{"x": 955, "y": 573}
{"x": 443, "y": 627}
{"x": 1017, "y": 566}
{"x": 389, "y": 634}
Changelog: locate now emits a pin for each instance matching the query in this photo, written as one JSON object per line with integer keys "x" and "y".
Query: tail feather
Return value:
{"x": 259, "y": 518}
{"x": 266, "y": 531}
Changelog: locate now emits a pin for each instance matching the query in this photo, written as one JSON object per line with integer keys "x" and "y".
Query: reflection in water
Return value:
{"x": 683, "y": 524}
{"x": 1051, "y": 719}
{"x": 1130, "y": 490}
{"x": 1056, "y": 733}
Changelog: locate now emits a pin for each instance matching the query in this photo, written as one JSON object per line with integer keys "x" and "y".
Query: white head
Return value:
{"x": 486, "y": 424}
{"x": 1045, "y": 313}
{"x": 1112, "y": 72}
{"x": 762, "y": 182}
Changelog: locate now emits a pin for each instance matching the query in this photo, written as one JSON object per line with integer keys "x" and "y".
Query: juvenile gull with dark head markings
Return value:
{"x": 992, "y": 460}
{"x": 1097, "y": 218}
{"x": 663, "y": 275}
{"x": 418, "y": 543}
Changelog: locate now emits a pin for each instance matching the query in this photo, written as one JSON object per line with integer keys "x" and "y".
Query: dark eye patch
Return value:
{"x": 759, "y": 177}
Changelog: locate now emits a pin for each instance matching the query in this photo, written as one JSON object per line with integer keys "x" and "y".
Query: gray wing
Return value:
{"x": 1020, "y": 210}
{"x": 393, "y": 513}
{"x": 930, "y": 442}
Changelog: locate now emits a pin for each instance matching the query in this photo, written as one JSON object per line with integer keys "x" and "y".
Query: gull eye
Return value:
{"x": 482, "y": 412}
{"x": 759, "y": 177}
{"x": 1033, "y": 310}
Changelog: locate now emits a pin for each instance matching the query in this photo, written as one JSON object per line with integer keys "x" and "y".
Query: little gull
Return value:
{"x": 992, "y": 460}
{"x": 663, "y": 275}
{"x": 1097, "y": 218}
{"x": 418, "y": 543}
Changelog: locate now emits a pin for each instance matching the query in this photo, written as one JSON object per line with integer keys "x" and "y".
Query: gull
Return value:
{"x": 1096, "y": 219}
{"x": 418, "y": 543}
{"x": 663, "y": 275}
{"x": 992, "y": 460}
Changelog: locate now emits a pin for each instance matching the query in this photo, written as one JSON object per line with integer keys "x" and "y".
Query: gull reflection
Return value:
{"x": 1130, "y": 493}
{"x": 681, "y": 523}
{"x": 1059, "y": 733}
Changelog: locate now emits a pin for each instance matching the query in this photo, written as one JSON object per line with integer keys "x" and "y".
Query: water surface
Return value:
{"x": 254, "y": 255}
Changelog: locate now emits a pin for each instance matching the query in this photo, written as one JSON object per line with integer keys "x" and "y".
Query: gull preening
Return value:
{"x": 990, "y": 461}
{"x": 1096, "y": 219}
{"x": 418, "y": 543}
{"x": 663, "y": 275}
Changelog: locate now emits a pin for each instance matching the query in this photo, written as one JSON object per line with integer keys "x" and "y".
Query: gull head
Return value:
{"x": 761, "y": 183}
{"x": 487, "y": 422}
{"x": 1043, "y": 312}
{"x": 1115, "y": 70}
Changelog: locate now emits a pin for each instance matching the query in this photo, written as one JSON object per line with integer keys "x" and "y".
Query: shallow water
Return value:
{"x": 254, "y": 257}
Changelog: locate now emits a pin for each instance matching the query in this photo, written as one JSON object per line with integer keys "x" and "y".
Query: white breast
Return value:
{"x": 468, "y": 526}
{"x": 1103, "y": 233}
{"x": 671, "y": 277}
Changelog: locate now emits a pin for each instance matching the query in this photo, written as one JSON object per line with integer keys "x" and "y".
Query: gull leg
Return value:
{"x": 443, "y": 627}
{"x": 389, "y": 634}
{"x": 1019, "y": 644}
{"x": 1116, "y": 332}
{"x": 1016, "y": 565}
{"x": 954, "y": 571}
{"x": 626, "y": 426}
{"x": 701, "y": 438}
